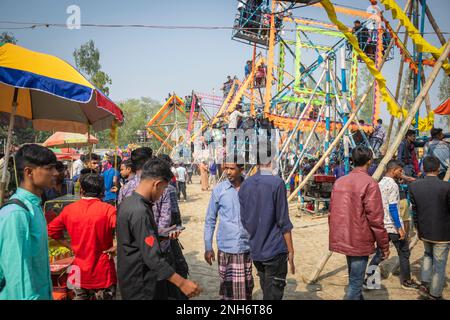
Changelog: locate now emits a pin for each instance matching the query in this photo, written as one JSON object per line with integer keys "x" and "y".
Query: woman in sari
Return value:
{"x": 204, "y": 176}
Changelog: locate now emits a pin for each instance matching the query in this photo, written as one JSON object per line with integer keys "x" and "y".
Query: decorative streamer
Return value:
{"x": 413, "y": 33}
{"x": 392, "y": 105}
{"x": 281, "y": 67}
{"x": 354, "y": 76}
{"x": 376, "y": 92}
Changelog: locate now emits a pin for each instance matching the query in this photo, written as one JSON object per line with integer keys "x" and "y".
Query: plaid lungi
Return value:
{"x": 236, "y": 279}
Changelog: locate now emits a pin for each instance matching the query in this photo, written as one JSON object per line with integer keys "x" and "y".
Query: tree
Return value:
{"x": 366, "y": 111}
{"x": 87, "y": 60}
{"x": 444, "y": 93}
{"x": 137, "y": 113}
{"x": 7, "y": 37}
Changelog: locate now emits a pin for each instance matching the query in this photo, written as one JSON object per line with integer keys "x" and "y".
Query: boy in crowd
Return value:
{"x": 394, "y": 225}
{"x": 90, "y": 223}
{"x": 24, "y": 260}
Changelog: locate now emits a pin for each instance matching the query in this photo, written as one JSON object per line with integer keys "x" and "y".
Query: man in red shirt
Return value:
{"x": 90, "y": 224}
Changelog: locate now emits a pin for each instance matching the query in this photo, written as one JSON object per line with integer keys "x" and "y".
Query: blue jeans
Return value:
{"x": 403, "y": 252}
{"x": 356, "y": 272}
{"x": 433, "y": 266}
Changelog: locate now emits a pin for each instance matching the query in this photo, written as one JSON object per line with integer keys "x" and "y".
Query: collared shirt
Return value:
{"x": 379, "y": 132}
{"x": 140, "y": 264}
{"x": 24, "y": 261}
{"x": 90, "y": 223}
{"x": 128, "y": 188}
{"x": 164, "y": 210}
{"x": 264, "y": 214}
{"x": 231, "y": 235}
{"x": 441, "y": 150}
{"x": 391, "y": 196}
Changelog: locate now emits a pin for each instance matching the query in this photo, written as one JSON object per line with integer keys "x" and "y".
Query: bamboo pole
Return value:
{"x": 327, "y": 255}
{"x": 345, "y": 127}
{"x": 447, "y": 175}
{"x": 434, "y": 24}
{"x": 408, "y": 8}
{"x": 391, "y": 151}
{"x": 14, "y": 105}
{"x": 270, "y": 58}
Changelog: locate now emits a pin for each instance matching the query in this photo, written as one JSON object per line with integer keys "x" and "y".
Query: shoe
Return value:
{"x": 410, "y": 285}
{"x": 424, "y": 291}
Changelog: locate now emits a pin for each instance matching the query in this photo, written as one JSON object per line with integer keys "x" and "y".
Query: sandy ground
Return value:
{"x": 310, "y": 242}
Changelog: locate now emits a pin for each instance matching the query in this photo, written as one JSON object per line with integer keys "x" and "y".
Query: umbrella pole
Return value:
{"x": 8, "y": 146}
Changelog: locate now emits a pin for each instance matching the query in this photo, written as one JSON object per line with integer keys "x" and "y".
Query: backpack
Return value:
{"x": 16, "y": 202}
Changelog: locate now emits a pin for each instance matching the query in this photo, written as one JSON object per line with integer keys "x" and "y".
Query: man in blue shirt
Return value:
{"x": 235, "y": 264}
{"x": 265, "y": 216}
{"x": 24, "y": 261}
{"x": 111, "y": 178}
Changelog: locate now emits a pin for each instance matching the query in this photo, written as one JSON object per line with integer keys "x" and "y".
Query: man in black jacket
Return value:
{"x": 430, "y": 199}
{"x": 140, "y": 264}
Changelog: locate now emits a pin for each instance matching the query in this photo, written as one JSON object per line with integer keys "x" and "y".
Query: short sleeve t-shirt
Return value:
{"x": 181, "y": 171}
{"x": 390, "y": 195}
{"x": 108, "y": 177}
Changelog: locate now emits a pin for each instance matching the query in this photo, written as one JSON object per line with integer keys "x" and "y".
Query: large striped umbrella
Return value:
{"x": 51, "y": 93}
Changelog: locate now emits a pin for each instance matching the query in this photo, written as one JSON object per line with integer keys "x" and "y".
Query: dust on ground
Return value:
{"x": 310, "y": 236}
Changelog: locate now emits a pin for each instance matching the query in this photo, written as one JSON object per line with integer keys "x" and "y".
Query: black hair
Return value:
{"x": 393, "y": 164}
{"x": 129, "y": 164}
{"x": 435, "y": 132}
{"x": 140, "y": 156}
{"x": 361, "y": 155}
{"x": 115, "y": 158}
{"x": 93, "y": 156}
{"x": 430, "y": 164}
{"x": 59, "y": 166}
{"x": 380, "y": 121}
{"x": 410, "y": 132}
{"x": 86, "y": 171}
{"x": 166, "y": 157}
{"x": 35, "y": 156}
{"x": 361, "y": 121}
{"x": 157, "y": 168}
{"x": 83, "y": 158}
{"x": 357, "y": 21}
{"x": 92, "y": 185}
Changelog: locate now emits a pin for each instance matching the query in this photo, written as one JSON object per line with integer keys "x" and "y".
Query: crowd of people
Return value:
{"x": 123, "y": 230}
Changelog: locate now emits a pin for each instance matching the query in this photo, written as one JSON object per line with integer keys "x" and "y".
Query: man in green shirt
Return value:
{"x": 24, "y": 261}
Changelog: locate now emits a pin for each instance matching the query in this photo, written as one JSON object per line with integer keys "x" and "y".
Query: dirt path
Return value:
{"x": 310, "y": 242}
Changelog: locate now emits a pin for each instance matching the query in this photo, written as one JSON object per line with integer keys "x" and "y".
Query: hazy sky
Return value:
{"x": 153, "y": 62}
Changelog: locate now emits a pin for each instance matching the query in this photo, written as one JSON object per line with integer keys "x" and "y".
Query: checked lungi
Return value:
{"x": 236, "y": 279}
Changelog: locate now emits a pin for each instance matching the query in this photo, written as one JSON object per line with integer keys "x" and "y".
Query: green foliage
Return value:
{"x": 7, "y": 37}
{"x": 137, "y": 113}
{"x": 444, "y": 93}
{"x": 87, "y": 60}
{"x": 444, "y": 88}
{"x": 365, "y": 79}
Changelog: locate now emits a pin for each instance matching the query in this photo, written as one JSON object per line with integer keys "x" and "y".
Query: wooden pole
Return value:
{"x": 447, "y": 175}
{"x": 8, "y": 145}
{"x": 391, "y": 151}
{"x": 400, "y": 74}
{"x": 270, "y": 59}
{"x": 434, "y": 25}
{"x": 328, "y": 254}
{"x": 345, "y": 127}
